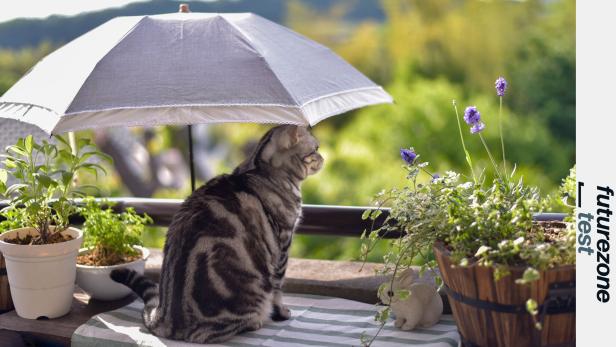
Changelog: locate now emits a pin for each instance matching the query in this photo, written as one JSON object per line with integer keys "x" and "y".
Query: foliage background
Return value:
{"x": 425, "y": 53}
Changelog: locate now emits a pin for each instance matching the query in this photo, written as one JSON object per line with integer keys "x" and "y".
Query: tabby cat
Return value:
{"x": 227, "y": 247}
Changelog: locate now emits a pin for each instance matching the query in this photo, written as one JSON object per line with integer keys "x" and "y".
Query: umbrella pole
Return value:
{"x": 191, "y": 159}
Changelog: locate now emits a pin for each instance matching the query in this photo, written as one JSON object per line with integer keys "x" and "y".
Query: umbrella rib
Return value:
{"x": 179, "y": 105}
{"x": 342, "y": 92}
{"x": 260, "y": 54}
{"x": 126, "y": 34}
{"x": 157, "y": 123}
{"x": 7, "y": 103}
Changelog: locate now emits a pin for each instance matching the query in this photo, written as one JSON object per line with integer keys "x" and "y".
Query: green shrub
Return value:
{"x": 110, "y": 235}
{"x": 481, "y": 221}
{"x": 45, "y": 175}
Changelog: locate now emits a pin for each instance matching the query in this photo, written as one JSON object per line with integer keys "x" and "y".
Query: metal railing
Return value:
{"x": 317, "y": 219}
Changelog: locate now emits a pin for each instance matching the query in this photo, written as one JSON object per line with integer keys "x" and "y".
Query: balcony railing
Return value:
{"x": 328, "y": 220}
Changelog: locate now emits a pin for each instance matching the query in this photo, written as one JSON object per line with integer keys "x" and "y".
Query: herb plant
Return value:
{"x": 111, "y": 236}
{"x": 12, "y": 218}
{"x": 45, "y": 175}
{"x": 487, "y": 222}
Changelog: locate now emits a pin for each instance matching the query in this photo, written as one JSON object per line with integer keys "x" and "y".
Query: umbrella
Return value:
{"x": 187, "y": 68}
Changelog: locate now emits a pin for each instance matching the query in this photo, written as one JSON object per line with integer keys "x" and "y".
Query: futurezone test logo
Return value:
{"x": 601, "y": 249}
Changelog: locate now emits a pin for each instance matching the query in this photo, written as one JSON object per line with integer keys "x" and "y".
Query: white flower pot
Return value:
{"x": 41, "y": 277}
{"x": 95, "y": 280}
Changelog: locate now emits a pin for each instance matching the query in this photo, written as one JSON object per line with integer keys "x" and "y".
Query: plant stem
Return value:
{"x": 375, "y": 335}
{"x": 490, "y": 155}
{"x": 468, "y": 157}
{"x": 373, "y": 244}
{"x": 500, "y": 129}
{"x": 391, "y": 289}
{"x": 428, "y": 172}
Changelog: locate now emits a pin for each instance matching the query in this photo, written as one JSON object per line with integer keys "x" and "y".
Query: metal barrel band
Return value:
{"x": 560, "y": 299}
{"x": 484, "y": 304}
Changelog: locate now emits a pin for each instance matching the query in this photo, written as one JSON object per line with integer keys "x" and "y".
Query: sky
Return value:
{"x": 44, "y": 8}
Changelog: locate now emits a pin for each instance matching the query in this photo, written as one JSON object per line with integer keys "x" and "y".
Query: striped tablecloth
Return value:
{"x": 316, "y": 321}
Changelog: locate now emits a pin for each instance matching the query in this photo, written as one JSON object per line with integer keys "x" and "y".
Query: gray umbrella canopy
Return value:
{"x": 187, "y": 68}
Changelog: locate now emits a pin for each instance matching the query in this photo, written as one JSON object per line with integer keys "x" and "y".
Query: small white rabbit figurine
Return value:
{"x": 423, "y": 307}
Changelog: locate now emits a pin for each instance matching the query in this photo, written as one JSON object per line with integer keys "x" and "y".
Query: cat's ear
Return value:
{"x": 293, "y": 136}
{"x": 251, "y": 162}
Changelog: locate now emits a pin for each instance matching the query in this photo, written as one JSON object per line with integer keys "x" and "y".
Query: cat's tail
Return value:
{"x": 144, "y": 287}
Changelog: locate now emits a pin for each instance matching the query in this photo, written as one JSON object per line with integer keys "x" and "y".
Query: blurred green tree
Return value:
{"x": 425, "y": 53}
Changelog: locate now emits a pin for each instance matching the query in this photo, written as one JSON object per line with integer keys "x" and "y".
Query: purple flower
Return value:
{"x": 435, "y": 177}
{"x": 501, "y": 86}
{"x": 472, "y": 115}
{"x": 477, "y": 127}
{"x": 408, "y": 155}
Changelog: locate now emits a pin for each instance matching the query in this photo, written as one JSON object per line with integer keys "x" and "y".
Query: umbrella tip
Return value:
{"x": 184, "y": 8}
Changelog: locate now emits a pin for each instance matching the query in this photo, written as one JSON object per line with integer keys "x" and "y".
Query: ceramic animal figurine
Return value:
{"x": 423, "y": 307}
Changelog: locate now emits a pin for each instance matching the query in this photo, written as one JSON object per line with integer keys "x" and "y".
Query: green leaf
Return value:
{"x": 67, "y": 177}
{"x": 62, "y": 140}
{"x": 46, "y": 181}
{"x": 532, "y": 307}
{"x": 87, "y": 155}
{"x": 530, "y": 275}
{"x": 403, "y": 294}
{"x": 91, "y": 166}
{"x": 3, "y": 176}
{"x": 482, "y": 250}
{"x": 66, "y": 155}
{"x": 28, "y": 143}
{"x": 468, "y": 159}
{"x": 15, "y": 187}
{"x": 17, "y": 150}
{"x": 366, "y": 214}
{"x": 83, "y": 142}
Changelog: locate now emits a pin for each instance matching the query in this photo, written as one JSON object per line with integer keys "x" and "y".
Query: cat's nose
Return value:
{"x": 320, "y": 162}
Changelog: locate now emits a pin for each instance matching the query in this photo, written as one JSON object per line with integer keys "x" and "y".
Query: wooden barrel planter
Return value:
{"x": 492, "y": 313}
{"x": 6, "y": 303}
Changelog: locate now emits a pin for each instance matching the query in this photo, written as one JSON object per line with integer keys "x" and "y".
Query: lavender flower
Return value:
{"x": 472, "y": 115}
{"x": 501, "y": 86}
{"x": 477, "y": 127}
{"x": 408, "y": 155}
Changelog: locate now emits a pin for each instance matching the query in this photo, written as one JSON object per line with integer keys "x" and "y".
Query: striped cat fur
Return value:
{"x": 227, "y": 247}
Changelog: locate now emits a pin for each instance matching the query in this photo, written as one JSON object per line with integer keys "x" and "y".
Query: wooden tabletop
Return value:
{"x": 321, "y": 277}
{"x": 57, "y": 331}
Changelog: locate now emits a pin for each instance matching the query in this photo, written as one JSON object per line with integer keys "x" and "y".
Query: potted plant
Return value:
{"x": 40, "y": 257}
{"x": 112, "y": 240}
{"x": 510, "y": 279}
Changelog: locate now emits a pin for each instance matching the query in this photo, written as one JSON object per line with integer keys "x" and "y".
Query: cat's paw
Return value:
{"x": 280, "y": 313}
{"x": 254, "y": 325}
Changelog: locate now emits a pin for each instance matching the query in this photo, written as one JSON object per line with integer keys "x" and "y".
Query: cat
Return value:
{"x": 227, "y": 248}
